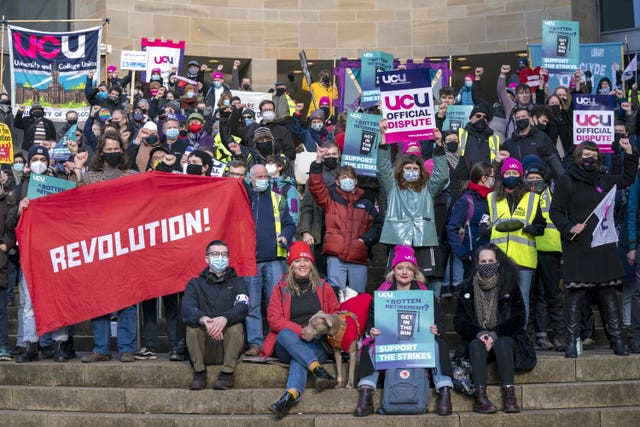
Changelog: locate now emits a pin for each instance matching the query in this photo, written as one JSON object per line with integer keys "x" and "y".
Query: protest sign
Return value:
{"x": 362, "y": 136}
{"x": 128, "y": 240}
{"x": 43, "y": 185}
{"x": 593, "y": 120}
{"x": 6, "y": 145}
{"x": 403, "y": 319}
{"x": 560, "y": 45}
{"x": 252, "y": 100}
{"x": 135, "y": 60}
{"x": 457, "y": 117}
{"x": 373, "y": 63}
{"x": 407, "y": 104}
{"x": 163, "y": 54}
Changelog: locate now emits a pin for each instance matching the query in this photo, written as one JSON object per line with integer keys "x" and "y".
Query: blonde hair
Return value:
{"x": 418, "y": 276}
{"x": 314, "y": 279}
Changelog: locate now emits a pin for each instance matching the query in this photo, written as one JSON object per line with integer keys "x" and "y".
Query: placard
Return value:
{"x": 43, "y": 185}
{"x": 362, "y": 136}
{"x": 135, "y": 60}
{"x": 6, "y": 145}
{"x": 593, "y": 120}
{"x": 560, "y": 45}
{"x": 372, "y": 64}
{"x": 457, "y": 117}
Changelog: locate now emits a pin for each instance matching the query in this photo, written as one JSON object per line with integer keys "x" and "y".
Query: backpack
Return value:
{"x": 406, "y": 392}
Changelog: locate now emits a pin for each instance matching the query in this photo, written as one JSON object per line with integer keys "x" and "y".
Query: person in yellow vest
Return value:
{"x": 285, "y": 106}
{"x": 323, "y": 87}
{"x": 516, "y": 219}
{"x": 546, "y": 296}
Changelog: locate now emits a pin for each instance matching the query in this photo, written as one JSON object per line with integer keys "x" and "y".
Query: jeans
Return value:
{"x": 439, "y": 380}
{"x": 20, "y": 313}
{"x": 126, "y": 332}
{"x": 299, "y": 355}
{"x": 458, "y": 272}
{"x": 339, "y": 271}
{"x": 269, "y": 273}
{"x": 526, "y": 276}
{"x": 29, "y": 319}
{"x": 150, "y": 321}
{"x": 13, "y": 273}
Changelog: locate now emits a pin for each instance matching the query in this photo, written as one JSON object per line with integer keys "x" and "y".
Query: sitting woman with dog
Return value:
{"x": 404, "y": 275}
{"x": 490, "y": 318}
{"x": 299, "y": 295}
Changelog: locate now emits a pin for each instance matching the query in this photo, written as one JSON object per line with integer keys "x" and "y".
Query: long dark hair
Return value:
{"x": 97, "y": 163}
{"x": 418, "y": 185}
{"x": 588, "y": 145}
{"x": 508, "y": 272}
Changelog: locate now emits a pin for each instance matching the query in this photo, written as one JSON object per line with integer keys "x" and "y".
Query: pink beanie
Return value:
{"x": 404, "y": 254}
{"x": 406, "y": 146}
{"x": 324, "y": 101}
{"x": 111, "y": 69}
{"x": 511, "y": 164}
{"x": 469, "y": 76}
{"x": 217, "y": 75}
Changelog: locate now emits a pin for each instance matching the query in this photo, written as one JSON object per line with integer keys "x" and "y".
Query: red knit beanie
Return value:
{"x": 299, "y": 249}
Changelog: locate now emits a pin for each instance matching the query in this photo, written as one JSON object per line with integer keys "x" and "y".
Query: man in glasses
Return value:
{"x": 214, "y": 306}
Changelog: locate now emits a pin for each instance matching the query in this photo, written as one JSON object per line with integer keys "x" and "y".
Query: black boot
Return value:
{"x": 29, "y": 354}
{"x": 324, "y": 380}
{"x": 364, "y": 407}
{"x": 509, "y": 399}
{"x": 482, "y": 404}
{"x": 60, "y": 354}
{"x": 444, "y": 404}
{"x": 573, "y": 310}
{"x": 611, "y": 317}
{"x": 282, "y": 407}
{"x": 69, "y": 349}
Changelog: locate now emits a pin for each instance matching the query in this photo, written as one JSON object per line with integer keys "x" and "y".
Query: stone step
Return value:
{"x": 256, "y": 401}
{"x": 596, "y": 365}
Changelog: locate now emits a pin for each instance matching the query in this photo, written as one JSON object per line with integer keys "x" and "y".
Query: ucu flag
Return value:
{"x": 50, "y": 47}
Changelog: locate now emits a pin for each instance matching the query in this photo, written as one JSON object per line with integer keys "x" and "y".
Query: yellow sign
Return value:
{"x": 6, "y": 145}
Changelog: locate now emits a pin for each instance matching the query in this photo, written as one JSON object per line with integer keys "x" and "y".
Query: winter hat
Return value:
{"x": 512, "y": 88}
{"x": 406, "y": 146}
{"x": 249, "y": 112}
{"x": 194, "y": 62}
{"x": 324, "y": 101}
{"x": 404, "y": 254}
{"x": 484, "y": 108}
{"x": 156, "y": 70}
{"x": 175, "y": 105}
{"x": 217, "y": 75}
{"x": 299, "y": 249}
{"x": 532, "y": 164}
{"x": 469, "y": 76}
{"x": 151, "y": 126}
{"x": 262, "y": 133}
{"x": 111, "y": 69}
{"x": 196, "y": 116}
{"x": 511, "y": 164}
{"x": 205, "y": 157}
{"x": 523, "y": 61}
{"x": 317, "y": 115}
{"x": 37, "y": 149}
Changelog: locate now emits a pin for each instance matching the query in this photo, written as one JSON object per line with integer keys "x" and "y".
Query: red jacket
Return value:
{"x": 279, "y": 311}
{"x": 348, "y": 217}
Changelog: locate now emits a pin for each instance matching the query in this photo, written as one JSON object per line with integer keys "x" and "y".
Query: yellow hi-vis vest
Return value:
{"x": 519, "y": 246}
{"x": 494, "y": 143}
{"x": 276, "y": 199}
{"x": 291, "y": 104}
{"x": 550, "y": 240}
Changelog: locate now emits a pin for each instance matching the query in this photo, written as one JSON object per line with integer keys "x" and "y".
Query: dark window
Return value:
{"x": 616, "y": 15}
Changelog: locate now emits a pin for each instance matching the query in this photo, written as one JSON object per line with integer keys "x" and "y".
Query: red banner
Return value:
{"x": 99, "y": 248}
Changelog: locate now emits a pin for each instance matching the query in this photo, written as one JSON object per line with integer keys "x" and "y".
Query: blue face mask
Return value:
{"x": 511, "y": 182}
{"x": 248, "y": 121}
{"x": 261, "y": 185}
{"x": 217, "y": 85}
{"x": 410, "y": 175}
{"x": 347, "y": 185}
{"x": 18, "y": 167}
{"x": 218, "y": 263}
{"x": 103, "y": 95}
{"x": 317, "y": 126}
{"x": 468, "y": 84}
{"x": 172, "y": 133}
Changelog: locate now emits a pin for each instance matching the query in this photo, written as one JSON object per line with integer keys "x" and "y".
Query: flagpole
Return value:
{"x": 2, "y": 57}
{"x": 589, "y": 217}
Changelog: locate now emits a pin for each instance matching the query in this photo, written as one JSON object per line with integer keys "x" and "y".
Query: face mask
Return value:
{"x": 268, "y": 116}
{"x": 511, "y": 182}
{"x": 330, "y": 162}
{"x": 37, "y": 114}
{"x": 246, "y": 86}
{"x": 271, "y": 169}
{"x": 261, "y": 185}
{"x": 18, "y": 167}
{"x": 172, "y": 133}
{"x": 4, "y": 102}
{"x": 265, "y": 148}
{"x": 491, "y": 183}
{"x": 183, "y": 132}
{"x": 326, "y": 80}
{"x": 102, "y": 95}
{"x": 347, "y": 185}
{"x": 193, "y": 169}
{"x": 112, "y": 98}
{"x": 112, "y": 159}
{"x": 326, "y": 111}
{"x": 217, "y": 85}
{"x": 280, "y": 91}
{"x": 522, "y": 124}
{"x": 193, "y": 70}
{"x": 155, "y": 77}
{"x": 604, "y": 90}
{"x": 541, "y": 127}
{"x": 588, "y": 164}
{"x": 468, "y": 84}
{"x": 479, "y": 126}
{"x": 195, "y": 127}
{"x": 316, "y": 126}
{"x": 191, "y": 94}
{"x": 248, "y": 121}
{"x": 151, "y": 139}
{"x": 555, "y": 109}
{"x": 218, "y": 263}
{"x": 138, "y": 117}
{"x": 38, "y": 167}
{"x": 618, "y": 136}
{"x": 226, "y": 102}
{"x": 410, "y": 175}
{"x": 154, "y": 92}
{"x": 72, "y": 122}
{"x": 538, "y": 186}
{"x": 488, "y": 270}
{"x": 452, "y": 146}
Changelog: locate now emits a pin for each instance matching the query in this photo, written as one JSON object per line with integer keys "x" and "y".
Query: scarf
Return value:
{"x": 480, "y": 189}
{"x": 485, "y": 298}
{"x": 579, "y": 174}
{"x": 452, "y": 158}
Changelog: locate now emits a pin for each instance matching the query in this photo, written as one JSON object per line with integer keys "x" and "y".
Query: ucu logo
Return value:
{"x": 407, "y": 101}
{"x": 49, "y": 46}
{"x": 395, "y": 78}
{"x": 585, "y": 101}
{"x": 385, "y": 294}
{"x": 163, "y": 59}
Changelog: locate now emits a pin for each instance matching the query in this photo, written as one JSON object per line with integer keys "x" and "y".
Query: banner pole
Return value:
{"x": 106, "y": 47}
{"x": 22, "y": 21}
{"x": 2, "y": 57}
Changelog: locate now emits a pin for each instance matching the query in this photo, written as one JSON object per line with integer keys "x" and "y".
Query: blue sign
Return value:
{"x": 403, "y": 319}
{"x": 373, "y": 63}
{"x": 361, "y": 140}
{"x": 560, "y": 45}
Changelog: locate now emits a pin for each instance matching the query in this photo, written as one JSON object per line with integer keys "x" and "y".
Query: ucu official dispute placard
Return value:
{"x": 407, "y": 104}
{"x": 593, "y": 120}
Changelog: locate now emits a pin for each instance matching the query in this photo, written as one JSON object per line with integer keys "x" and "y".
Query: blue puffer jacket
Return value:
{"x": 464, "y": 248}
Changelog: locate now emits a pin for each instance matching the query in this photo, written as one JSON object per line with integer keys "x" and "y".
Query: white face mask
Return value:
{"x": 38, "y": 167}
{"x": 272, "y": 169}
{"x": 268, "y": 116}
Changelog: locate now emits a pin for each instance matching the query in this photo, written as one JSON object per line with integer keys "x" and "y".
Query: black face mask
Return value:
{"x": 522, "y": 124}
{"x": 542, "y": 127}
{"x": 555, "y": 109}
{"x": 479, "y": 126}
{"x": 618, "y": 136}
{"x": 265, "y": 148}
{"x": 151, "y": 139}
{"x": 330, "y": 162}
{"x": 326, "y": 80}
{"x": 4, "y": 102}
{"x": 588, "y": 164}
{"x": 246, "y": 86}
{"x": 183, "y": 132}
{"x": 280, "y": 91}
{"x": 112, "y": 159}
{"x": 326, "y": 112}
{"x": 452, "y": 146}
{"x": 72, "y": 122}
{"x": 38, "y": 114}
{"x": 194, "y": 169}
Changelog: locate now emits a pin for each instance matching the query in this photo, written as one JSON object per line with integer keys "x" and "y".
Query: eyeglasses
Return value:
{"x": 218, "y": 254}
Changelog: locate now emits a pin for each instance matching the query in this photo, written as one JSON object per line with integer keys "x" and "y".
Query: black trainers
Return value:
{"x": 543, "y": 343}
{"x": 179, "y": 353}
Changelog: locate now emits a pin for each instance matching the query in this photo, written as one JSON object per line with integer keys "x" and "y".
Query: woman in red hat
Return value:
{"x": 300, "y": 294}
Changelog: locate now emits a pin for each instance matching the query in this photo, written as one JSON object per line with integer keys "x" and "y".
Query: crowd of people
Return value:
{"x": 495, "y": 214}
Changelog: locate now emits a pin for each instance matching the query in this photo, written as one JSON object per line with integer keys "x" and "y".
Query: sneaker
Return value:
{"x": 543, "y": 343}
{"x": 254, "y": 350}
{"x": 146, "y": 354}
{"x": 588, "y": 343}
{"x": 127, "y": 357}
{"x": 177, "y": 354}
{"x": 350, "y": 293}
{"x": 224, "y": 381}
{"x": 95, "y": 357}
{"x": 5, "y": 355}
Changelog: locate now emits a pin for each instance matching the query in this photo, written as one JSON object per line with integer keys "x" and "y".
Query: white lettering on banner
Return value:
{"x": 136, "y": 238}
